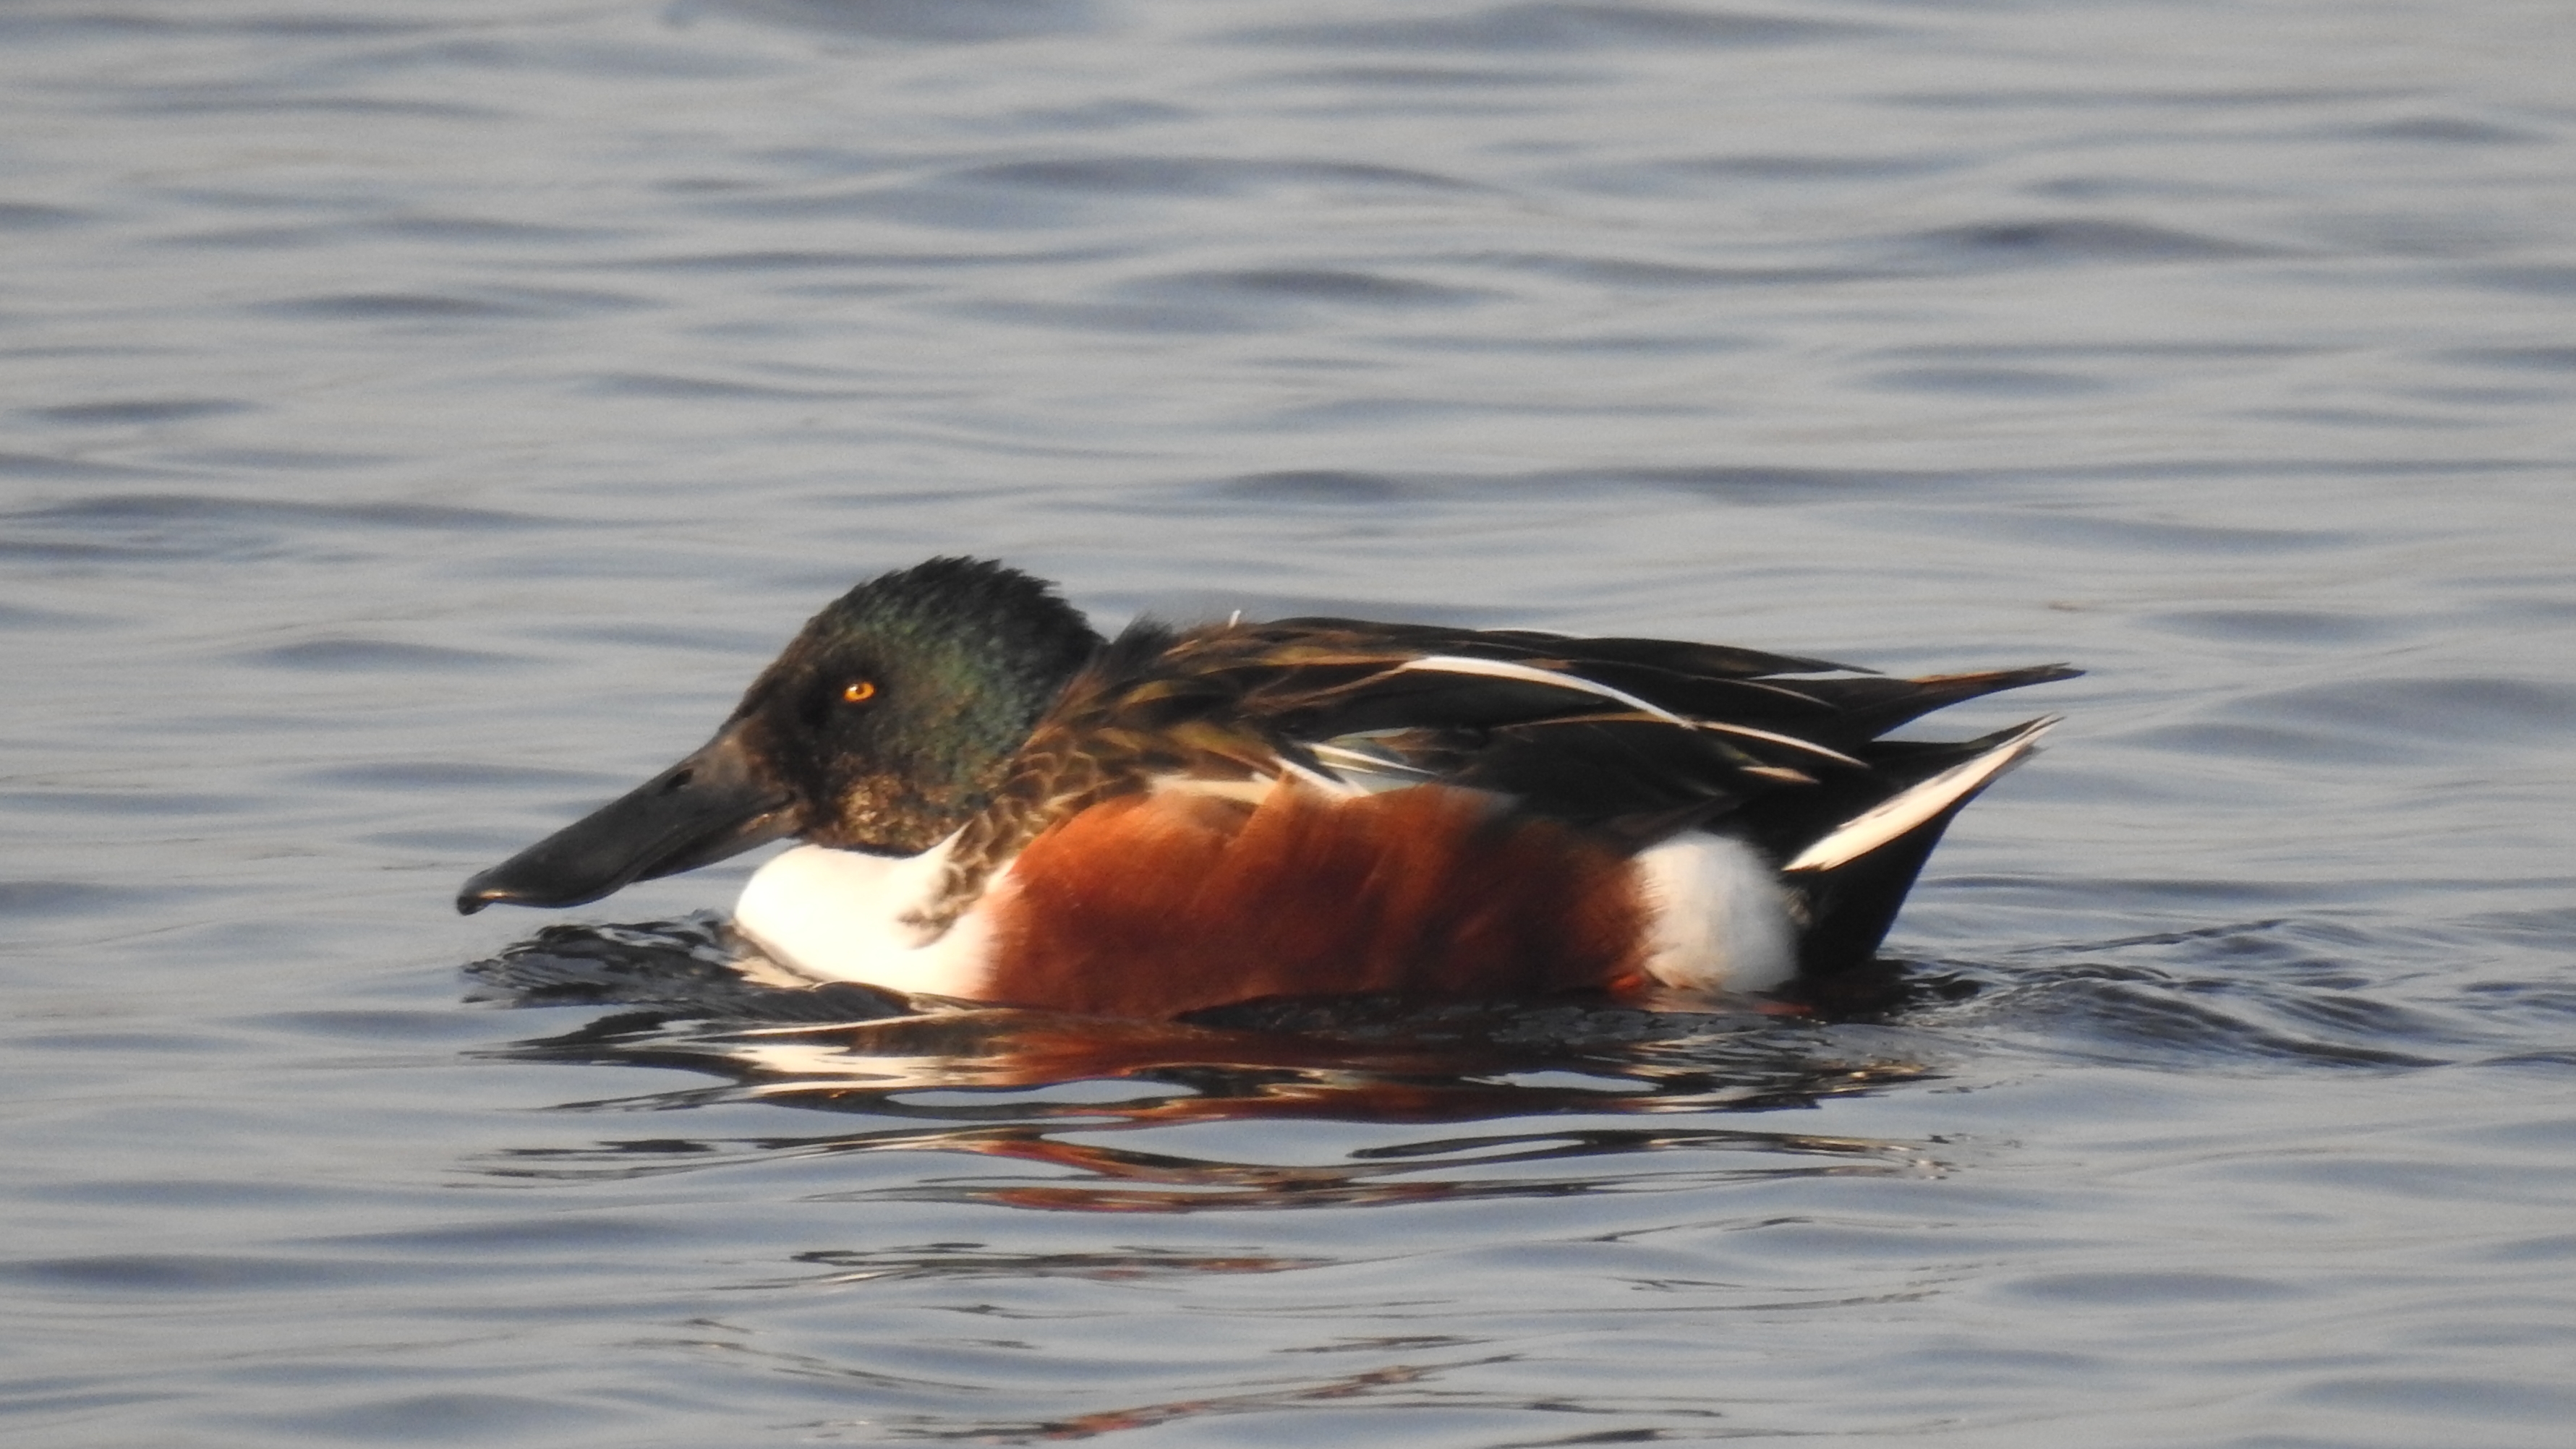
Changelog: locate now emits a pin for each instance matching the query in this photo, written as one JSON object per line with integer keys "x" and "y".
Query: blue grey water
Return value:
{"x": 416, "y": 424}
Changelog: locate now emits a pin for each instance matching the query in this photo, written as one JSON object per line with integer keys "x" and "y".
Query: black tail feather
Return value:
{"x": 1850, "y": 908}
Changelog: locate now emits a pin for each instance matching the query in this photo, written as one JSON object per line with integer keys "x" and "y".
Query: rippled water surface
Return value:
{"x": 420, "y": 421}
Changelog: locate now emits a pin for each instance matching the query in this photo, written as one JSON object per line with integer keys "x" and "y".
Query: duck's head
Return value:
{"x": 884, "y": 726}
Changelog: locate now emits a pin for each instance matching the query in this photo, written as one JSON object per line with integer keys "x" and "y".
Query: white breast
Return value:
{"x": 838, "y": 915}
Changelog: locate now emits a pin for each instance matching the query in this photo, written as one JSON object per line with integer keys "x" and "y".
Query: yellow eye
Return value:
{"x": 859, "y": 691}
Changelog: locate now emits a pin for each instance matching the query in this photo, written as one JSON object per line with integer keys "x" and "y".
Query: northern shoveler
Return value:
{"x": 999, "y": 804}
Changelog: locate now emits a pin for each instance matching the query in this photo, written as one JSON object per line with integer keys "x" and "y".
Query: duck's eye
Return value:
{"x": 859, "y": 691}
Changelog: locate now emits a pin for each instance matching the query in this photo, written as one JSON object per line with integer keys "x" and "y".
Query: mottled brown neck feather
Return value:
{"x": 1137, "y": 712}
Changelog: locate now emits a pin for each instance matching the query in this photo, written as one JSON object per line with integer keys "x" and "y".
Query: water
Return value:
{"x": 419, "y": 424}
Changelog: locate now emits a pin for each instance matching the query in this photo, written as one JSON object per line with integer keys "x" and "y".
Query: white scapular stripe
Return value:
{"x": 1893, "y": 817}
{"x": 1532, "y": 674}
{"x": 1792, "y": 741}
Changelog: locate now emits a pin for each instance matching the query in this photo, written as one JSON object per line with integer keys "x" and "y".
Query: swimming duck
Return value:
{"x": 997, "y": 803}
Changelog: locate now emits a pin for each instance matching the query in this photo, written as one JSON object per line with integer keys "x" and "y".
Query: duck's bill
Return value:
{"x": 716, "y": 803}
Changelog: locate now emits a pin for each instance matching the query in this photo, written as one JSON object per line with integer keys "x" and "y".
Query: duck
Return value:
{"x": 994, "y": 802}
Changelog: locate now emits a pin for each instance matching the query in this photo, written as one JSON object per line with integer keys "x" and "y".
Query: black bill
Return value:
{"x": 716, "y": 803}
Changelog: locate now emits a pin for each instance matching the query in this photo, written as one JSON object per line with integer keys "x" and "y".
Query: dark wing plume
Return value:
{"x": 1709, "y": 661}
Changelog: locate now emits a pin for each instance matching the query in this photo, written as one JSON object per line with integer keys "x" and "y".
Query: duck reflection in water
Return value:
{"x": 1053, "y": 884}
{"x": 1043, "y": 1087}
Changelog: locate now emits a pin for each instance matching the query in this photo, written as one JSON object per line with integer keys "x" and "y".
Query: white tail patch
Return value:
{"x": 1720, "y": 920}
{"x": 1893, "y": 817}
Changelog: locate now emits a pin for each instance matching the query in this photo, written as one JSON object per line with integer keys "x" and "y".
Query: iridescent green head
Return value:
{"x": 892, "y": 714}
{"x": 888, "y": 722}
